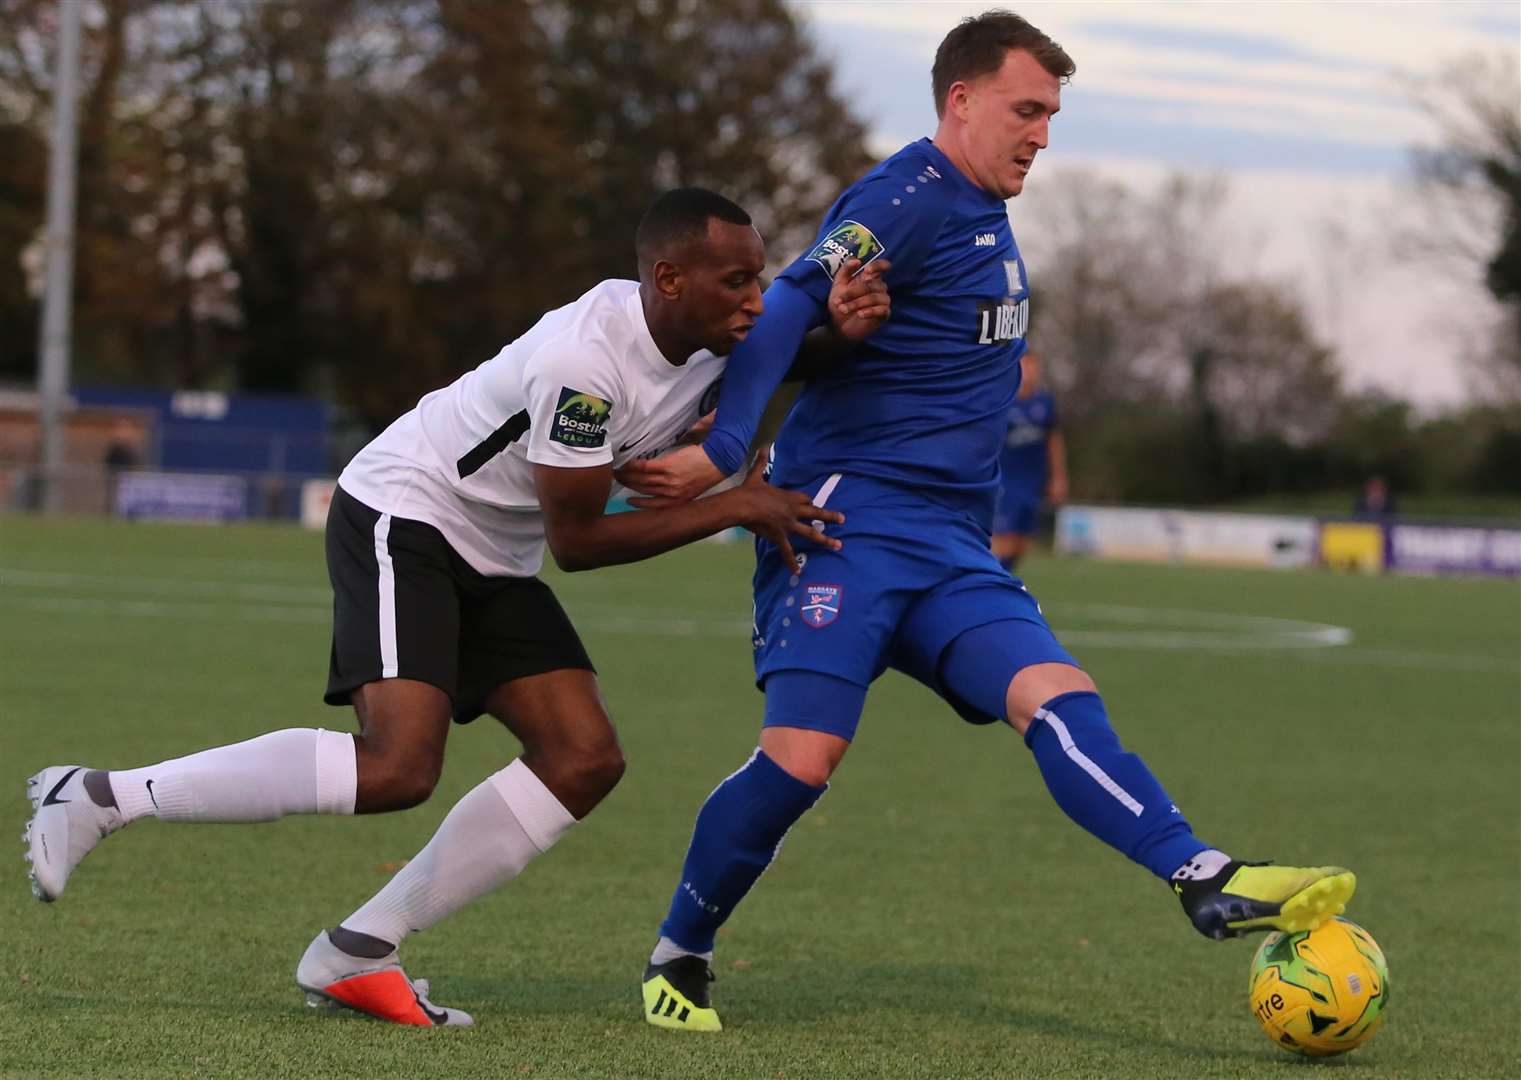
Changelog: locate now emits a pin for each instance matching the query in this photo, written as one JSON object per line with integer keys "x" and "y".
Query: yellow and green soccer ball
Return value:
{"x": 1320, "y": 992}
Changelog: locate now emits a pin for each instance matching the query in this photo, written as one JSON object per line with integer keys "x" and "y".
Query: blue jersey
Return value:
{"x": 922, "y": 402}
{"x": 1024, "y": 460}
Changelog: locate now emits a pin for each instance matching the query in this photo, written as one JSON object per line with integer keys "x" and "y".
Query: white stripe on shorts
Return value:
{"x": 388, "y": 664}
{"x": 823, "y": 496}
{"x": 1087, "y": 764}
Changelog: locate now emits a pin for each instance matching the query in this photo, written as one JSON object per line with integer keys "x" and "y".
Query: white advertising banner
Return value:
{"x": 1112, "y": 532}
{"x": 316, "y": 495}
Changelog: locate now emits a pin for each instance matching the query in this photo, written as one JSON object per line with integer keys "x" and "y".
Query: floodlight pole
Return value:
{"x": 58, "y": 249}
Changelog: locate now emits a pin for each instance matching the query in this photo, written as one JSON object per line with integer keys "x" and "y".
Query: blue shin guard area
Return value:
{"x": 1105, "y": 789}
{"x": 737, "y": 834}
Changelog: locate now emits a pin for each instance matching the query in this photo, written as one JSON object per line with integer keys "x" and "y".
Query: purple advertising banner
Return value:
{"x": 1454, "y": 549}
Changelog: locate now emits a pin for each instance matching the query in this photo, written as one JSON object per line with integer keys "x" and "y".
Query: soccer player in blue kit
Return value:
{"x": 903, "y": 438}
{"x": 1032, "y": 466}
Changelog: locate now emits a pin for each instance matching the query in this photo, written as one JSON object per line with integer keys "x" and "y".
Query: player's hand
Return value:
{"x": 669, "y": 480}
{"x": 774, "y": 514}
{"x": 1056, "y": 490}
{"x": 858, "y": 302}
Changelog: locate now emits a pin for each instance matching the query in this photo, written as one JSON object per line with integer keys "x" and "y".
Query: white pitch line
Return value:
{"x": 158, "y": 586}
{"x": 1242, "y": 632}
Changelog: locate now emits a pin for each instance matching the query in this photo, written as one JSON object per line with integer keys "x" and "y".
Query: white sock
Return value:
{"x": 485, "y": 841}
{"x": 1206, "y": 864}
{"x": 666, "y": 949}
{"x": 296, "y": 771}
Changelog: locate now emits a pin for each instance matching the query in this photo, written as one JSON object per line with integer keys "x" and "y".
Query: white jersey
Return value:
{"x": 584, "y": 387}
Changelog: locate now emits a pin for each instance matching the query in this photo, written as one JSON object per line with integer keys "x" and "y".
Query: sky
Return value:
{"x": 1303, "y": 106}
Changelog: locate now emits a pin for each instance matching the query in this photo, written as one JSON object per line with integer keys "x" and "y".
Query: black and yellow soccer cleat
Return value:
{"x": 676, "y": 995}
{"x": 1244, "y": 897}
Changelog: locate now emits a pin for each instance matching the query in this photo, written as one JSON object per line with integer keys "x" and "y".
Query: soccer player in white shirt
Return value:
{"x": 436, "y": 533}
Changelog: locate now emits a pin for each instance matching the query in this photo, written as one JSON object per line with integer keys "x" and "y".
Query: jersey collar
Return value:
{"x": 957, "y": 177}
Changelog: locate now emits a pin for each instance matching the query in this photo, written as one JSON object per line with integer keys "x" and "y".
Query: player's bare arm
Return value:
{"x": 858, "y": 304}
{"x": 582, "y": 535}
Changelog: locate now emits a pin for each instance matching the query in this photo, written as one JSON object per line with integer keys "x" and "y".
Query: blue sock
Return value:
{"x": 737, "y": 834}
{"x": 1107, "y": 791}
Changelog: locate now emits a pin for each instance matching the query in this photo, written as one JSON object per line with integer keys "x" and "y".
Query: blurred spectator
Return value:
{"x": 1376, "y": 499}
{"x": 1032, "y": 465}
{"x": 121, "y": 455}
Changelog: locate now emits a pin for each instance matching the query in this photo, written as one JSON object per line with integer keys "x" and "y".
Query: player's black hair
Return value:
{"x": 978, "y": 44}
{"x": 680, "y": 216}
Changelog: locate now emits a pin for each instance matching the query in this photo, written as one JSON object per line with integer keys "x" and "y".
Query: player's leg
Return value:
{"x": 1013, "y": 524}
{"x": 1112, "y": 794}
{"x": 391, "y": 765}
{"x": 295, "y": 771}
{"x": 1009, "y": 548}
{"x": 820, "y": 639}
{"x": 570, "y": 761}
{"x": 395, "y": 622}
{"x": 522, "y": 662}
{"x": 810, "y": 719}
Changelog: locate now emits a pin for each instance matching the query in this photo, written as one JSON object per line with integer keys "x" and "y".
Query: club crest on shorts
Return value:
{"x": 821, "y": 604}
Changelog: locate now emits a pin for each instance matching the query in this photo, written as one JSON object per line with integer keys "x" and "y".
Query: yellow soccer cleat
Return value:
{"x": 1244, "y": 897}
{"x": 676, "y": 995}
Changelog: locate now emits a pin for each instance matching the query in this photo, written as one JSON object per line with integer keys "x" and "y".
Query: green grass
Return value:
{"x": 935, "y": 916}
{"x": 1500, "y": 508}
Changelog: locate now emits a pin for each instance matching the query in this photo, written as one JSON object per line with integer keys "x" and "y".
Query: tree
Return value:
{"x": 1472, "y": 185}
{"x": 1151, "y": 333}
{"x": 367, "y": 197}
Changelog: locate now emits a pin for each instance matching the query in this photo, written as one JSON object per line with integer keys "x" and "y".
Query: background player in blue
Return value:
{"x": 903, "y": 440}
{"x": 1032, "y": 467}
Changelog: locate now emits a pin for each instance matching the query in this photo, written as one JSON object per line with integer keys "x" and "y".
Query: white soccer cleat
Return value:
{"x": 65, "y": 826}
{"x": 378, "y": 988}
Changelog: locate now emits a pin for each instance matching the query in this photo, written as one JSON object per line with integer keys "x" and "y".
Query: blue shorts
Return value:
{"x": 1016, "y": 512}
{"x": 912, "y": 577}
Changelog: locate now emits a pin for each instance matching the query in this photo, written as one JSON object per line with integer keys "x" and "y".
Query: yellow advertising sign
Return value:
{"x": 1349, "y": 545}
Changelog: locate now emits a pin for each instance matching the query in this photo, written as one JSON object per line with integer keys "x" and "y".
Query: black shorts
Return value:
{"x": 407, "y": 606}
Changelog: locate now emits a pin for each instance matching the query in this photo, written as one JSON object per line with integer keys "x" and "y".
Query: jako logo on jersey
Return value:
{"x": 1000, "y": 323}
{"x": 848, "y": 240}
{"x": 984, "y": 239}
{"x": 580, "y": 419}
{"x": 821, "y": 604}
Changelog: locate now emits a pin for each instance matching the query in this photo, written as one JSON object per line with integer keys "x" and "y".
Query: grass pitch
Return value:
{"x": 935, "y": 916}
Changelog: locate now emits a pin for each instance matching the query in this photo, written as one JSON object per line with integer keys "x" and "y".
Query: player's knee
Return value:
{"x": 809, "y": 756}
{"x": 1037, "y": 684}
{"x": 579, "y": 774}
{"x": 601, "y": 770}
{"x": 815, "y": 772}
{"x": 591, "y": 769}
{"x": 396, "y": 782}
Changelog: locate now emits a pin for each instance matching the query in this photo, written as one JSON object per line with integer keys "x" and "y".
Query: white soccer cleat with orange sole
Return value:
{"x": 377, "y": 988}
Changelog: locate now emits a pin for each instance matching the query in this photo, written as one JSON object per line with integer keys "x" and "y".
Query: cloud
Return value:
{"x": 1328, "y": 72}
{"x": 1301, "y": 105}
{"x": 1232, "y": 44}
{"x": 1206, "y": 135}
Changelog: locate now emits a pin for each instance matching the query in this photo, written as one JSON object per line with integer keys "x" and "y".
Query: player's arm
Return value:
{"x": 583, "y": 536}
{"x": 1056, "y": 465}
{"x": 857, "y": 303}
